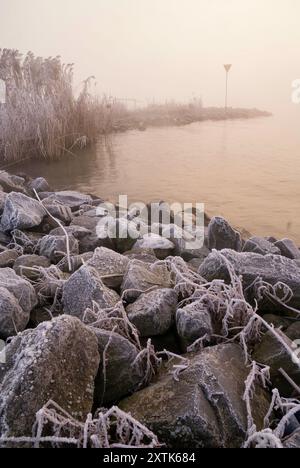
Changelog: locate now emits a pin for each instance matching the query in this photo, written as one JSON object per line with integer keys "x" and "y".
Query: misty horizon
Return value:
{"x": 169, "y": 50}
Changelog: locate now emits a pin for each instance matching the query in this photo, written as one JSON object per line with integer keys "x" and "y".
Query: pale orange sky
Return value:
{"x": 167, "y": 48}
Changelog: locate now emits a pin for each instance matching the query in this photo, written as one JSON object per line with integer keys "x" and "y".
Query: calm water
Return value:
{"x": 247, "y": 171}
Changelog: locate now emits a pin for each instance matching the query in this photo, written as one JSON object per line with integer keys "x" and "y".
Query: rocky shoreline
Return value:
{"x": 142, "y": 342}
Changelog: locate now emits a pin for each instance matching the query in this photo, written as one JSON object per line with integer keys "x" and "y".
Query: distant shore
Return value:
{"x": 165, "y": 116}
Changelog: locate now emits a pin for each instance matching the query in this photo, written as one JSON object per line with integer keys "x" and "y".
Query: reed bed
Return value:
{"x": 41, "y": 116}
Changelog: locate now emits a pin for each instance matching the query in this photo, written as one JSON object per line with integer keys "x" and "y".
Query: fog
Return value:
{"x": 167, "y": 49}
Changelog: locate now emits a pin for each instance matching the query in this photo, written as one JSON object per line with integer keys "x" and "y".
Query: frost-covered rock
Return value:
{"x": 274, "y": 354}
{"x": 293, "y": 333}
{"x": 84, "y": 288}
{"x": 153, "y": 313}
{"x": 288, "y": 249}
{"x": 61, "y": 212}
{"x": 57, "y": 361}
{"x": 55, "y": 247}
{"x": 25, "y": 264}
{"x": 39, "y": 185}
{"x": 110, "y": 265}
{"x": 21, "y": 212}
{"x": 10, "y": 183}
{"x": 222, "y": 236}
{"x": 140, "y": 277}
{"x": 119, "y": 374}
{"x": 8, "y": 258}
{"x": 205, "y": 407}
{"x": 69, "y": 198}
{"x": 271, "y": 268}
{"x": 193, "y": 322}
{"x": 123, "y": 233}
{"x": 76, "y": 262}
{"x": 261, "y": 246}
{"x": 161, "y": 246}
{"x": 3, "y": 197}
{"x": 20, "y": 288}
{"x": 13, "y": 319}
{"x": 293, "y": 442}
{"x": 86, "y": 222}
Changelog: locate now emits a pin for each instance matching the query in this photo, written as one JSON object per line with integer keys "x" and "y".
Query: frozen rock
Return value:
{"x": 205, "y": 407}
{"x": 57, "y": 361}
{"x": 261, "y": 246}
{"x": 161, "y": 246}
{"x": 153, "y": 313}
{"x": 274, "y": 354}
{"x": 20, "y": 288}
{"x": 110, "y": 265}
{"x": 86, "y": 222}
{"x": 193, "y": 322}
{"x": 293, "y": 442}
{"x": 11, "y": 183}
{"x": 76, "y": 262}
{"x": 12, "y": 318}
{"x": 21, "y": 212}
{"x": 288, "y": 249}
{"x": 39, "y": 185}
{"x": 3, "y": 197}
{"x": 24, "y": 264}
{"x": 140, "y": 277}
{"x": 271, "y": 268}
{"x": 8, "y": 258}
{"x": 222, "y": 236}
{"x": 55, "y": 247}
{"x": 84, "y": 288}
{"x": 69, "y": 198}
{"x": 119, "y": 374}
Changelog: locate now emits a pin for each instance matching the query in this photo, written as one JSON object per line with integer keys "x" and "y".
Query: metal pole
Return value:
{"x": 227, "y": 69}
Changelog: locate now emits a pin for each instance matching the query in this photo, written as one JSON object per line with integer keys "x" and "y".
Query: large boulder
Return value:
{"x": 21, "y": 212}
{"x": 193, "y": 322}
{"x": 270, "y": 268}
{"x": 205, "y": 407}
{"x": 13, "y": 319}
{"x": 140, "y": 277}
{"x": 39, "y": 185}
{"x": 222, "y": 236}
{"x": 120, "y": 374}
{"x": 110, "y": 265}
{"x": 84, "y": 288}
{"x": 153, "y": 313}
{"x": 57, "y": 361}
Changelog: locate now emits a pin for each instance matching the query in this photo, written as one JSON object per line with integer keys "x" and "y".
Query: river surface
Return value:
{"x": 246, "y": 170}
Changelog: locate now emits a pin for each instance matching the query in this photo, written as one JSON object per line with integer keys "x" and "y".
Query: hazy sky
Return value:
{"x": 161, "y": 49}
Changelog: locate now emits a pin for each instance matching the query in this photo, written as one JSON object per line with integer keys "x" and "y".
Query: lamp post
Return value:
{"x": 227, "y": 69}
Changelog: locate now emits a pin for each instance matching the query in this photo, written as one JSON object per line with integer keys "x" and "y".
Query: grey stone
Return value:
{"x": 57, "y": 361}
{"x": 39, "y": 185}
{"x": 110, "y": 265}
{"x": 86, "y": 222}
{"x": 273, "y": 354}
{"x": 277, "y": 321}
{"x": 288, "y": 249}
{"x": 3, "y": 197}
{"x": 61, "y": 212}
{"x": 84, "y": 288}
{"x": 69, "y": 198}
{"x": 140, "y": 277}
{"x": 10, "y": 183}
{"x": 293, "y": 333}
{"x": 193, "y": 322}
{"x": 222, "y": 236}
{"x": 55, "y": 247}
{"x": 293, "y": 441}
{"x": 8, "y": 258}
{"x": 153, "y": 313}
{"x": 121, "y": 375}
{"x": 76, "y": 231}
{"x": 24, "y": 264}
{"x": 271, "y": 268}
{"x": 21, "y": 212}
{"x": 261, "y": 246}
{"x": 161, "y": 246}
{"x": 12, "y": 318}
{"x": 20, "y": 288}
{"x": 205, "y": 407}
{"x": 76, "y": 262}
